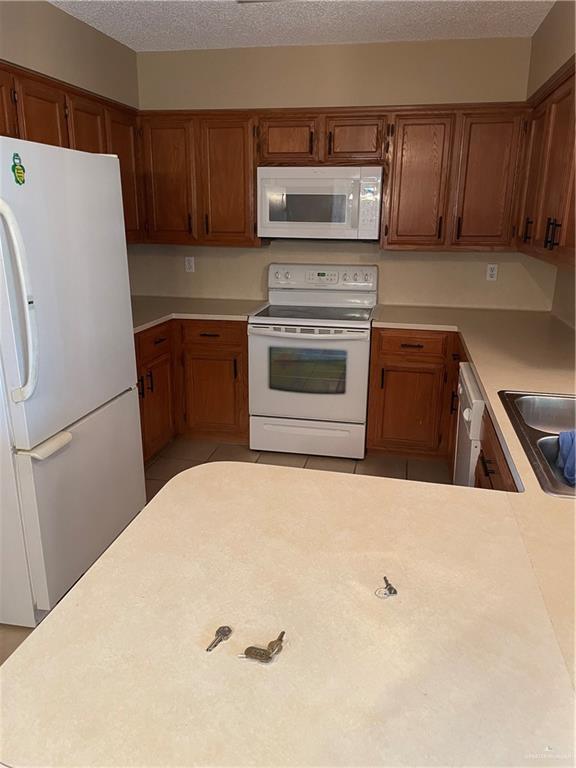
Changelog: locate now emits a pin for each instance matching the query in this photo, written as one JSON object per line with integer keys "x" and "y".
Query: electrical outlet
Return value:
{"x": 492, "y": 272}
{"x": 189, "y": 264}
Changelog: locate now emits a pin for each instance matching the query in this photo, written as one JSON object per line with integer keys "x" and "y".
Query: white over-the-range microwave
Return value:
{"x": 320, "y": 202}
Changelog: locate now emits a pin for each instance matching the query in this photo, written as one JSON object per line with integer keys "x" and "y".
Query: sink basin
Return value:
{"x": 537, "y": 420}
{"x": 547, "y": 413}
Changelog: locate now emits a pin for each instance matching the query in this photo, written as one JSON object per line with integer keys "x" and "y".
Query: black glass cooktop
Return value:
{"x": 358, "y": 314}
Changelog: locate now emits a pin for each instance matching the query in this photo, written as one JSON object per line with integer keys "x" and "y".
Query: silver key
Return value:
{"x": 222, "y": 633}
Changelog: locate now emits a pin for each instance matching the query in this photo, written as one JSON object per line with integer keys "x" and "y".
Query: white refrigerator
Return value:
{"x": 71, "y": 470}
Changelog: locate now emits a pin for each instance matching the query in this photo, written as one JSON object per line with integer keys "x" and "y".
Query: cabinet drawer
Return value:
{"x": 153, "y": 342}
{"x": 214, "y": 332}
{"x": 416, "y": 343}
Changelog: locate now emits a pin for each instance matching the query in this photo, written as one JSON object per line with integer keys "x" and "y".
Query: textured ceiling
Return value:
{"x": 161, "y": 25}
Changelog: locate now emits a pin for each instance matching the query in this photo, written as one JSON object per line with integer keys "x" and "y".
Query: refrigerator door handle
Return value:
{"x": 26, "y": 390}
{"x": 48, "y": 447}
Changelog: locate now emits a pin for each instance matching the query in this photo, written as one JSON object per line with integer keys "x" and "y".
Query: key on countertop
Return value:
{"x": 222, "y": 633}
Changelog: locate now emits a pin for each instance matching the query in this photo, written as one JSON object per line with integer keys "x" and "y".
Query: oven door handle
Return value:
{"x": 346, "y": 335}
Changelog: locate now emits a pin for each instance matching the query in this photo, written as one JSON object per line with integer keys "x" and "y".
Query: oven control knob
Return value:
{"x": 467, "y": 414}
{"x": 345, "y": 276}
{"x": 367, "y": 277}
{"x": 287, "y": 275}
{"x": 277, "y": 275}
{"x": 355, "y": 277}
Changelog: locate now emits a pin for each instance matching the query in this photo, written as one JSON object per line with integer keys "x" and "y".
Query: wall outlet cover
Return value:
{"x": 492, "y": 272}
{"x": 189, "y": 264}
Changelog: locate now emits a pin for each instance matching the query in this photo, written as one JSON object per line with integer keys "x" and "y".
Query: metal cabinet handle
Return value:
{"x": 206, "y": 224}
{"x": 189, "y": 223}
{"x": 210, "y": 335}
{"x": 459, "y": 228}
{"x": 549, "y": 222}
{"x": 453, "y": 402}
{"x": 553, "y": 241}
{"x": 439, "y": 231}
{"x": 485, "y": 467}
{"x": 527, "y": 236}
{"x": 235, "y": 368}
{"x": 141, "y": 387}
{"x": 382, "y": 378}
{"x": 412, "y": 346}
{"x": 160, "y": 340}
{"x": 329, "y": 142}
{"x": 150, "y": 377}
{"x": 311, "y": 143}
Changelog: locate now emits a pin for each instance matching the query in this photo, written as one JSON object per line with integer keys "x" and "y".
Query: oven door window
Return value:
{"x": 307, "y": 207}
{"x": 313, "y": 371}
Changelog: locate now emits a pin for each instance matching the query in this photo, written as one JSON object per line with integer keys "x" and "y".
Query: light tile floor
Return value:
{"x": 183, "y": 453}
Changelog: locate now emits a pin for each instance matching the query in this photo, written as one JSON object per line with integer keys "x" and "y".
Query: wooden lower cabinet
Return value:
{"x": 155, "y": 388}
{"x": 157, "y": 414}
{"x": 215, "y": 379}
{"x": 410, "y": 397}
{"x": 492, "y": 470}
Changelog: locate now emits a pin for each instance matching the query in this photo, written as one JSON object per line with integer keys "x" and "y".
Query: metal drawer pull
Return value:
{"x": 412, "y": 346}
{"x": 210, "y": 335}
{"x": 160, "y": 340}
{"x": 485, "y": 467}
{"x": 382, "y": 378}
{"x": 527, "y": 235}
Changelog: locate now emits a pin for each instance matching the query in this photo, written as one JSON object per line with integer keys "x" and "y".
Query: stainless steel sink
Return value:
{"x": 537, "y": 419}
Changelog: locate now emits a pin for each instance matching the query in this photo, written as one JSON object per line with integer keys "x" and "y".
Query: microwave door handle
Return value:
{"x": 354, "y": 203}
{"x": 26, "y": 389}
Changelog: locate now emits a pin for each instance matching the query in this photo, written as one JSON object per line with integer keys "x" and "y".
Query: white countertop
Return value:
{"x": 469, "y": 664}
{"x": 461, "y": 667}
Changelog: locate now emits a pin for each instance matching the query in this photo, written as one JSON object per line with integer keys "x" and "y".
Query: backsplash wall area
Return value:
{"x": 433, "y": 279}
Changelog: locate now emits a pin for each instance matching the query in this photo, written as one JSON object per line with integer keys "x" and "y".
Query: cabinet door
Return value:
{"x": 405, "y": 405}
{"x": 289, "y": 140}
{"x": 558, "y": 165}
{"x": 122, "y": 137}
{"x": 8, "y": 120}
{"x": 487, "y": 167}
{"x": 41, "y": 112}
{"x": 215, "y": 391}
{"x": 418, "y": 203}
{"x": 169, "y": 171}
{"x": 226, "y": 162}
{"x": 86, "y": 122}
{"x": 532, "y": 187}
{"x": 354, "y": 139}
{"x": 157, "y": 408}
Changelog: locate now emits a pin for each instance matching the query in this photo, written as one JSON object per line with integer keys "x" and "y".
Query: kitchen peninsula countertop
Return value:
{"x": 461, "y": 667}
{"x": 471, "y": 663}
{"x": 148, "y": 311}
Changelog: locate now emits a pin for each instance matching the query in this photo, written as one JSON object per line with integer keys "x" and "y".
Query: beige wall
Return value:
{"x": 564, "y": 303}
{"x": 336, "y": 75}
{"x": 405, "y": 278}
{"x": 552, "y": 44}
{"x": 41, "y": 37}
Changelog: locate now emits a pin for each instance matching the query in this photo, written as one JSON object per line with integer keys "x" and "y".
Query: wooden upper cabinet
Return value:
{"x": 354, "y": 139}
{"x": 486, "y": 175}
{"x": 41, "y": 112}
{"x": 8, "y": 119}
{"x": 169, "y": 172}
{"x": 226, "y": 164}
{"x": 531, "y": 189}
{"x": 289, "y": 140}
{"x": 86, "y": 123}
{"x": 421, "y": 165}
{"x": 558, "y": 168}
{"x": 122, "y": 140}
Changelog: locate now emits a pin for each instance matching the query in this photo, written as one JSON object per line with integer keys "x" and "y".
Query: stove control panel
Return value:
{"x": 323, "y": 277}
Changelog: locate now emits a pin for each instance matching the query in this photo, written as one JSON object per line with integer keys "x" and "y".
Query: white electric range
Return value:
{"x": 309, "y": 352}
